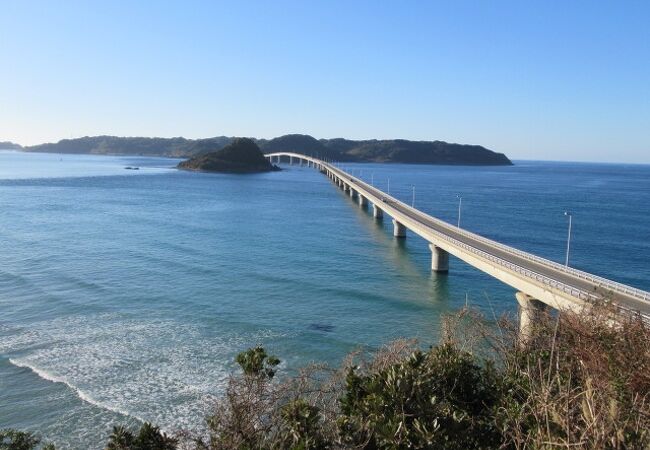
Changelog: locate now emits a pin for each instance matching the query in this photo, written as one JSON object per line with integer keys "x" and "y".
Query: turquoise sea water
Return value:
{"x": 125, "y": 295}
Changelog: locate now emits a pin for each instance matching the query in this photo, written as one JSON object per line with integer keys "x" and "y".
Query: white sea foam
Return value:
{"x": 156, "y": 370}
{"x": 82, "y": 395}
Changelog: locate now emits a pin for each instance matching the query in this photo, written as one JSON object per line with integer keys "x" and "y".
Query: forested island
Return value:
{"x": 240, "y": 156}
{"x": 339, "y": 149}
{"x": 7, "y": 145}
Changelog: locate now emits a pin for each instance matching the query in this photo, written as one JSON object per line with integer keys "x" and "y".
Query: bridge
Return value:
{"x": 539, "y": 282}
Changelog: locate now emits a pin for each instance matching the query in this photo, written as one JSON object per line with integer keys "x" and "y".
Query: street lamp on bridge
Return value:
{"x": 568, "y": 240}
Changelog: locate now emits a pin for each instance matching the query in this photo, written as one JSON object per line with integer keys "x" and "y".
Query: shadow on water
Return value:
{"x": 399, "y": 252}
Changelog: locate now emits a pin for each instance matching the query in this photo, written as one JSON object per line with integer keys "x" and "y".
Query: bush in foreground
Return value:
{"x": 20, "y": 440}
{"x": 582, "y": 383}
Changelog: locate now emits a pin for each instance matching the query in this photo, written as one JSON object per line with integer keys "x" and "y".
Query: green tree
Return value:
{"x": 256, "y": 362}
{"x": 20, "y": 440}
{"x": 300, "y": 427}
{"x": 120, "y": 439}
{"x": 438, "y": 399}
{"x": 148, "y": 438}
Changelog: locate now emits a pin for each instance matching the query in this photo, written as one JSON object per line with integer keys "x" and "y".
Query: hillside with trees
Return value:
{"x": 240, "y": 156}
{"x": 345, "y": 150}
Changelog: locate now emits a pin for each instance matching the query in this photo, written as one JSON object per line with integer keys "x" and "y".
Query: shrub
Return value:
{"x": 438, "y": 399}
{"x": 20, "y": 440}
{"x": 582, "y": 383}
{"x": 255, "y": 362}
{"x": 148, "y": 438}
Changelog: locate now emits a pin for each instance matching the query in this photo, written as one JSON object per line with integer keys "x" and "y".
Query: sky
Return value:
{"x": 543, "y": 80}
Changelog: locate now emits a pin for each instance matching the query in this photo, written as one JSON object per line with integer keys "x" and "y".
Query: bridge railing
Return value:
{"x": 574, "y": 292}
{"x": 601, "y": 282}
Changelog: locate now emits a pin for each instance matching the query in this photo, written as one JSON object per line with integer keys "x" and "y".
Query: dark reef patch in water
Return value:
{"x": 321, "y": 327}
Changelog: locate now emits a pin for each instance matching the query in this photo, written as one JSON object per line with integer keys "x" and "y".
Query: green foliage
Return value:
{"x": 255, "y": 362}
{"x": 438, "y": 399}
{"x": 300, "y": 427}
{"x": 120, "y": 439}
{"x": 148, "y": 438}
{"x": 20, "y": 440}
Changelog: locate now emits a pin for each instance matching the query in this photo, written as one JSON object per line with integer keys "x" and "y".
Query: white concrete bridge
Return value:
{"x": 539, "y": 281}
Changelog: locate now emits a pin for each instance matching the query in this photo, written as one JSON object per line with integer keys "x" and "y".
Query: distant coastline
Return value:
{"x": 339, "y": 149}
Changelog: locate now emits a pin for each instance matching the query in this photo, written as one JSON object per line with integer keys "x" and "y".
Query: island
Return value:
{"x": 8, "y": 145}
{"x": 337, "y": 149}
{"x": 241, "y": 156}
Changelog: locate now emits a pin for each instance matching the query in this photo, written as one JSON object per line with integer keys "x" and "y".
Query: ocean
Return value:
{"x": 125, "y": 295}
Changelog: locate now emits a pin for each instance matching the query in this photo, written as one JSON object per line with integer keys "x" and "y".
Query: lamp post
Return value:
{"x": 568, "y": 240}
{"x": 460, "y": 204}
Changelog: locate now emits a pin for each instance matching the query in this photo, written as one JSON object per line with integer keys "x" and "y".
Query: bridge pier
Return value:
{"x": 363, "y": 202}
{"x": 439, "y": 259}
{"x": 291, "y": 160}
{"x": 377, "y": 213}
{"x": 529, "y": 311}
{"x": 352, "y": 192}
{"x": 399, "y": 230}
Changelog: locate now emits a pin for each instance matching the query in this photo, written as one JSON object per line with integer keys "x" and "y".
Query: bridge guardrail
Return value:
{"x": 579, "y": 293}
{"x": 600, "y": 282}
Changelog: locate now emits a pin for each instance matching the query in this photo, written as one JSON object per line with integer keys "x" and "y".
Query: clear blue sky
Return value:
{"x": 536, "y": 80}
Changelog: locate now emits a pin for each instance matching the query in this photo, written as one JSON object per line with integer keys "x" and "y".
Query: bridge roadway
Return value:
{"x": 537, "y": 279}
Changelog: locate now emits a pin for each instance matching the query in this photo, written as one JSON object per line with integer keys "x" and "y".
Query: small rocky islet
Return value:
{"x": 241, "y": 156}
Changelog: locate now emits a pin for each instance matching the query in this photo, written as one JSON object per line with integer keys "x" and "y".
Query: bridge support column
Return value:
{"x": 291, "y": 160}
{"x": 351, "y": 192}
{"x": 439, "y": 259}
{"x": 363, "y": 202}
{"x": 376, "y": 212}
{"x": 399, "y": 230}
{"x": 529, "y": 312}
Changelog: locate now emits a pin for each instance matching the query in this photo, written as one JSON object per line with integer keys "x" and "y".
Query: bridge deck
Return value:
{"x": 553, "y": 283}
